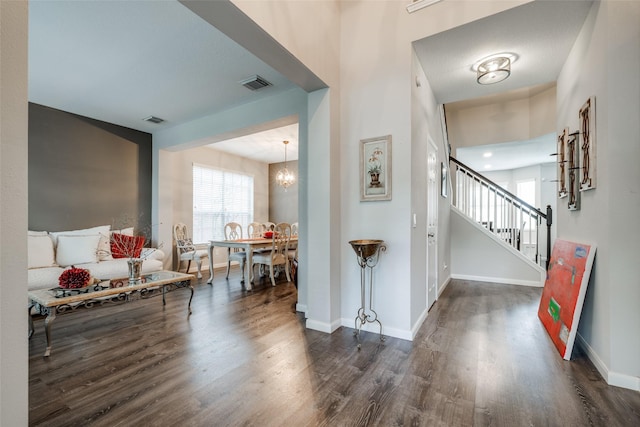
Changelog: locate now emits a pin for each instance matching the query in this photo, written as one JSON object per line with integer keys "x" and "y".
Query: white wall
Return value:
{"x": 310, "y": 30}
{"x": 477, "y": 254}
{"x": 14, "y": 354}
{"x": 605, "y": 63}
{"x": 517, "y": 116}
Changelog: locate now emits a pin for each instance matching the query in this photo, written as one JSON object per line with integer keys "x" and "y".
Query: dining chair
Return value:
{"x": 186, "y": 250}
{"x": 268, "y": 226}
{"x": 233, "y": 231}
{"x": 279, "y": 253}
{"x": 255, "y": 230}
{"x": 294, "y": 229}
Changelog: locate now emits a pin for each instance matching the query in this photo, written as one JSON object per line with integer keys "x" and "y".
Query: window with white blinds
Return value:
{"x": 219, "y": 197}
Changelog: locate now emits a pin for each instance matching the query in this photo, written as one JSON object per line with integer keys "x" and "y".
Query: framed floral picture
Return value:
{"x": 375, "y": 169}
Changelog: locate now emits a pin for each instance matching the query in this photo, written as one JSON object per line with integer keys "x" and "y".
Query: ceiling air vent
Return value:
{"x": 153, "y": 119}
{"x": 255, "y": 82}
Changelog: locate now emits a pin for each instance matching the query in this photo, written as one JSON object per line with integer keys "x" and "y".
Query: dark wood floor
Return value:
{"x": 244, "y": 358}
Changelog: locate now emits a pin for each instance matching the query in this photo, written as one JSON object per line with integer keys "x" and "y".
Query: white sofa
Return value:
{"x": 50, "y": 253}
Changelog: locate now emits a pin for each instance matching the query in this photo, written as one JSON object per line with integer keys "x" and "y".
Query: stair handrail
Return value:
{"x": 483, "y": 180}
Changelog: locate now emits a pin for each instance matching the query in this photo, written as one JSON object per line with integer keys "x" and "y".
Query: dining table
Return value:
{"x": 249, "y": 246}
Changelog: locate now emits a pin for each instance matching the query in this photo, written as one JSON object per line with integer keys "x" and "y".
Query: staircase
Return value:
{"x": 508, "y": 218}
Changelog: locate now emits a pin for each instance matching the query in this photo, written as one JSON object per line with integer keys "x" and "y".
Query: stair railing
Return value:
{"x": 504, "y": 214}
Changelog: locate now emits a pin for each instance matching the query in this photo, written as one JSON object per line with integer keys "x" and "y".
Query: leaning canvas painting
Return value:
{"x": 564, "y": 292}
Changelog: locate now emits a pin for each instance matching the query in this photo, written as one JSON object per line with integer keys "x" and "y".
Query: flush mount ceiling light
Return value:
{"x": 493, "y": 69}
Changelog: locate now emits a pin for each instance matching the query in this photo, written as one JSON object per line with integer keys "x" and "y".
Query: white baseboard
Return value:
{"x": 419, "y": 322}
{"x": 444, "y": 286}
{"x": 322, "y": 326}
{"x": 302, "y": 308}
{"x": 375, "y": 328}
{"x": 593, "y": 356}
{"x": 498, "y": 280}
{"x": 612, "y": 378}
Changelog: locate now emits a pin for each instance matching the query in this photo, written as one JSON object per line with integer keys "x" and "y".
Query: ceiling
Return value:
{"x": 509, "y": 155}
{"x": 539, "y": 33}
{"x": 86, "y": 57}
{"x": 266, "y": 146}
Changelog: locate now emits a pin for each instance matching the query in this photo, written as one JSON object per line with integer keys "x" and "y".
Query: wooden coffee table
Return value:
{"x": 57, "y": 301}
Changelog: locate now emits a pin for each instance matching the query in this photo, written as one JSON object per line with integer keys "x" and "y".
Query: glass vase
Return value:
{"x": 135, "y": 271}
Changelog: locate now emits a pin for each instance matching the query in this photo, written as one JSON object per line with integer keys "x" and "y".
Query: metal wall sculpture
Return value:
{"x": 572, "y": 170}
{"x": 588, "y": 145}
{"x": 562, "y": 163}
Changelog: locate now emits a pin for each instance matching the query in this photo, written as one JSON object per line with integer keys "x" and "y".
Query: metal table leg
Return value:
{"x": 31, "y": 329}
{"x": 51, "y": 316}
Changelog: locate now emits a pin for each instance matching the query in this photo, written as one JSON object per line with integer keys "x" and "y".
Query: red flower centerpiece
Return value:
{"x": 75, "y": 278}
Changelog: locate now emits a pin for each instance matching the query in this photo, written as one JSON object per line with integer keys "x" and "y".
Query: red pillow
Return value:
{"x": 123, "y": 246}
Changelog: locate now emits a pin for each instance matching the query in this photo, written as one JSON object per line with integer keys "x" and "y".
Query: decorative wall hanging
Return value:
{"x": 562, "y": 163}
{"x": 375, "y": 169}
{"x": 564, "y": 292}
{"x": 588, "y": 145}
{"x": 572, "y": 170}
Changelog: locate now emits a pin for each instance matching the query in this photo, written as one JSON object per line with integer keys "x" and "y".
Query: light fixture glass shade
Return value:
{"x": 494, "y": 70}
{"x": 284, "y": 178}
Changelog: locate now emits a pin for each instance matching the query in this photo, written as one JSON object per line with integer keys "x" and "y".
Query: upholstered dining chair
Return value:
{"x": 187, "y": 251}
{"x": 279, "y": 253}
{"x": 233, "y": 231}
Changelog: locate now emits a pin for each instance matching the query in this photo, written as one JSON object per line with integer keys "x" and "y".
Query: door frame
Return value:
{"x": 432, "y": 148}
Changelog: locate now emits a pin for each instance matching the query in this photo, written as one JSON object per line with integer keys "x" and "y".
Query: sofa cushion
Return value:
{"x": 118, "y": 268}
{"x": 77, "y": 249}
{"x": 43, "y": 278}
{"x": 123, "y": 246}
{"x": 40, "y": 251}
{"x": 104, "y": 250}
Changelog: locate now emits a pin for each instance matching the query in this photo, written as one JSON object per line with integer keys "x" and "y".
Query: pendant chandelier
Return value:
{"x": 284, "y": 178}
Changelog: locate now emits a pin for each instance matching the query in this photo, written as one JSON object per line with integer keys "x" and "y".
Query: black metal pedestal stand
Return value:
{"x": 368, "y": 252}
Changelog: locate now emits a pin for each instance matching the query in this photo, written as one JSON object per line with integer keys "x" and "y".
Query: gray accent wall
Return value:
{"x": 85, "y": 173}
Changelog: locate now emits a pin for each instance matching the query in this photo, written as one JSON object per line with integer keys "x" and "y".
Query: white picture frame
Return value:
{"x": 375, "y": 169}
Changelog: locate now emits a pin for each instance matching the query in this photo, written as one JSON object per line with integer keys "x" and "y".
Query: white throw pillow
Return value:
{"x": 126, "y": 231}
{"x": 77, "y": 249}
{"x": 104, "y": 248}
{"x": 40, "y": 251}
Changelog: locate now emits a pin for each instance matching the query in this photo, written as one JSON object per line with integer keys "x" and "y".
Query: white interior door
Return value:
{"x": 433, "y": 182}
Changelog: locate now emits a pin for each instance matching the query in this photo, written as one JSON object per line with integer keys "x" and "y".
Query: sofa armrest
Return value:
{"x": 152, "y": 253}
